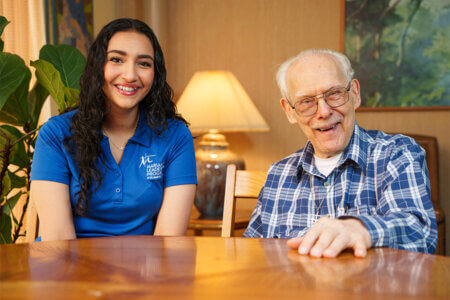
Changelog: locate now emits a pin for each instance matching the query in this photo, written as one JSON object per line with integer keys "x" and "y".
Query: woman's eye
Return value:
{"x": 115, "y": 60}
{"x": 146, "y": 64}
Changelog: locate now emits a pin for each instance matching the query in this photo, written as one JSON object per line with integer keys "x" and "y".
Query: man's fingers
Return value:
{"x": 294, "y": 242}
{"x": 330, "y": 237}
{"x": 323, "y": 242}
{"x": 309, "y": 239}
{"x": 360, "y": 248}
{"x": 336, "y": 247}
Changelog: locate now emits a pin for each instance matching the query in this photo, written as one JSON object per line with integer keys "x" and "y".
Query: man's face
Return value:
{"x": 329, "y": 129}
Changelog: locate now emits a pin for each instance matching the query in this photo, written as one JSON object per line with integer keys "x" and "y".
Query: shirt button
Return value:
{"x": 117, "y": 174}
{"x": 325, "y": 183}
{"x": 117, "y": 190}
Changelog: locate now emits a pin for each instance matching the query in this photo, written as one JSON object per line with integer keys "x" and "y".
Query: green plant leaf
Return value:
{"x": 6, "y": 186}
{"x": 6, "y": 117}
{"x": 12, "y": 72}
{"x": 17, "y": 181}
{"x": 69, "y": 62}
{"x": 36, "y": 99}
{"x": 49, "y": 77}
{"x": 5, "y": 150}
{"x": 3, "y": 23}
{"x": 5, "y": 229}
{"x": 17, "y": 104}
{"x": 18, "y": 155}
{"x": 11, "y": 203}
{"x": 71, "y": 96}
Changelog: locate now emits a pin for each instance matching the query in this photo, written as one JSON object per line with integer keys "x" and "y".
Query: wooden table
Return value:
{"x": 136, "y": 267}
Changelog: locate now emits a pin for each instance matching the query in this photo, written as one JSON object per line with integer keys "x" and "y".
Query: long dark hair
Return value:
{"x": 84, "y": 143}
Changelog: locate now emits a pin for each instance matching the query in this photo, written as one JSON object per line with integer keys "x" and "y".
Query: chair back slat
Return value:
{"x": 239, "y": 184}
{"x": 249, "y": 183}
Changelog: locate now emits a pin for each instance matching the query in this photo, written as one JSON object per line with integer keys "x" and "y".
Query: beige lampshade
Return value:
{"x": 216, "y": 100}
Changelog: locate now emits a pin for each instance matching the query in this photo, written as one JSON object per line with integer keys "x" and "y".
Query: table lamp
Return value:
{"x": 215, "y": 101}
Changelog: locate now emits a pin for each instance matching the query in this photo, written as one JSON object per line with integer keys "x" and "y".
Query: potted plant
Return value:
{"x": 57, "y": 71}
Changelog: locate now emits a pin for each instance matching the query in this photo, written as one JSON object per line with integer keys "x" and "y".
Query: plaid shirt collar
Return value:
{"x": 356, "y": 153}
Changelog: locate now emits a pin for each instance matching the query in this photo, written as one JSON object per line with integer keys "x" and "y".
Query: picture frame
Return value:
{"x": 400, "y": 52}
{"x": 69, "y": 22}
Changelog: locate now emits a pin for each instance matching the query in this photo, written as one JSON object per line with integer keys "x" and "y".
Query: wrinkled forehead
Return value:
{"x": 314, "y": 73}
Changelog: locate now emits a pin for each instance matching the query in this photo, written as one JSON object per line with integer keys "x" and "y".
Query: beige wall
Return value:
{"x": 251, "y": 38}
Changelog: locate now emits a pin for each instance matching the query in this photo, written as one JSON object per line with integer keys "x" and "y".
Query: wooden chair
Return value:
{"x": 32, "y": 223}
{"x": 429, "y": 144}
{"x": 239, "y": 184}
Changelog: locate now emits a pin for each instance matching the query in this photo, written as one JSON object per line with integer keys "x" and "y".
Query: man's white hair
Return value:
{"x": 284, "y": 67}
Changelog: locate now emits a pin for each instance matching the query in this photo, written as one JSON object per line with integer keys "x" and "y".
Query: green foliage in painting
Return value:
{"x": 400, "y": 51}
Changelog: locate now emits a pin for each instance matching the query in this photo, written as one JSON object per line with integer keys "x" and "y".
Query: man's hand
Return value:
{"x": 329, "y": 237}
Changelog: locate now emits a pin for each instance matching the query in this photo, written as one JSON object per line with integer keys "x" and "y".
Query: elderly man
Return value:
{"x": 348, "y": 187}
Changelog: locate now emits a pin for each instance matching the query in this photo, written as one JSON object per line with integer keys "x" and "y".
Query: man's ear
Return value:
{"x": 288, "y": 110}
{"x": 355, "y": 93}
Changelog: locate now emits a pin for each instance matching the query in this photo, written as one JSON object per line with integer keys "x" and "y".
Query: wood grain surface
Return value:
{"x": 137, "y": 267}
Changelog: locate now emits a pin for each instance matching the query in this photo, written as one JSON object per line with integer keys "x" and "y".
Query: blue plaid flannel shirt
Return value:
{"x": 380, "y": 179}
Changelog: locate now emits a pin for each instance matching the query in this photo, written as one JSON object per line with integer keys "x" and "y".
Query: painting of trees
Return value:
{"x": 400, "y": 50}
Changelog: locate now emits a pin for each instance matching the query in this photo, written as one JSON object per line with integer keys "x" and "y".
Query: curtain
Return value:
{"x": 25, "y": 35}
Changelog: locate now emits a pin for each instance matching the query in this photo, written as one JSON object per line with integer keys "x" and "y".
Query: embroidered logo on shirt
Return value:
{"x": 153, "y": 169}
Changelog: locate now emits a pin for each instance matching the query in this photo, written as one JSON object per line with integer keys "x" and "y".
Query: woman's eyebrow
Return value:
{"x": 116, "y": 51}
{"x": 124, "y": 53}
{"x": 145, "y": 56}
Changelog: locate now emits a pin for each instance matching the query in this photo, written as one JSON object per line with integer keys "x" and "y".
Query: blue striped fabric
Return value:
{"x": 380, "y": 179}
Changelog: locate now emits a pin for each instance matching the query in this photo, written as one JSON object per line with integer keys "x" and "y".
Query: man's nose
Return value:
{"x": 323, "y": 109}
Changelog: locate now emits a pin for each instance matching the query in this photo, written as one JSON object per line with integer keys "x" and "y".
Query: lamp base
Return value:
{"x": 212, "y": 158}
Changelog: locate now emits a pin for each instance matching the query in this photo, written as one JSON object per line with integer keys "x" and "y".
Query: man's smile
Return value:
{"x": 328, "y": 128}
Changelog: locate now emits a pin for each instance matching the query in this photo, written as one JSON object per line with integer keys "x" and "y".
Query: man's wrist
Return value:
{"x": 358, "y": 226}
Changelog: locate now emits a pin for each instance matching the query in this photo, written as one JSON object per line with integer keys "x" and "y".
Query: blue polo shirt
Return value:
{"x": 130, "y": 196}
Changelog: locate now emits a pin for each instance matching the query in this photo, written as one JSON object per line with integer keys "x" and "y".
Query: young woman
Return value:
{"x": 123, "y": 162}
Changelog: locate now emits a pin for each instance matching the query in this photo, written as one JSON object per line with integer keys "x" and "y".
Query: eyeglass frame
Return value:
{"x": 322, "y": 95}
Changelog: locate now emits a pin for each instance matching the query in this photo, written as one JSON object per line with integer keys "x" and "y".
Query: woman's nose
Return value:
{"x": 129, "y": 72}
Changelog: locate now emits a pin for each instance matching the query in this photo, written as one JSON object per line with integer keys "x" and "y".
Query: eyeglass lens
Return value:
{"x": 334, "y": 98}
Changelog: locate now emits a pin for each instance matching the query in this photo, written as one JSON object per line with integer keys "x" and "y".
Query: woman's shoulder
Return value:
{"x": 58, "y": 125}
{"x": 177, "y": 127}
{"x": 175, "y": 124}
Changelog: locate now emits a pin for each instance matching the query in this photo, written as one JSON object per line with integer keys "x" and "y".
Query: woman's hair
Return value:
{"x": 84, "y": 143}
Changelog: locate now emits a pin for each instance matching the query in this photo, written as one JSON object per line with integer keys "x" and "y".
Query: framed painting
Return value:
{"x": 69, "y": 22}
{"x": 400, "y": 51}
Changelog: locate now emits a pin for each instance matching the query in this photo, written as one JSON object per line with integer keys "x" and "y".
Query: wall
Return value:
{"x": 251, "y": 38}
{"x": 153, "y": 12}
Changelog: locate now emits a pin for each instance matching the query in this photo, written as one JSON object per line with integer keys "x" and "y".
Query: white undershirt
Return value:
{"x": 326, "y": 165}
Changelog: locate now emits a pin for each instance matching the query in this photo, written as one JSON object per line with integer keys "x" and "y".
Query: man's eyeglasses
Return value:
{"x": 334, "y": 97}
